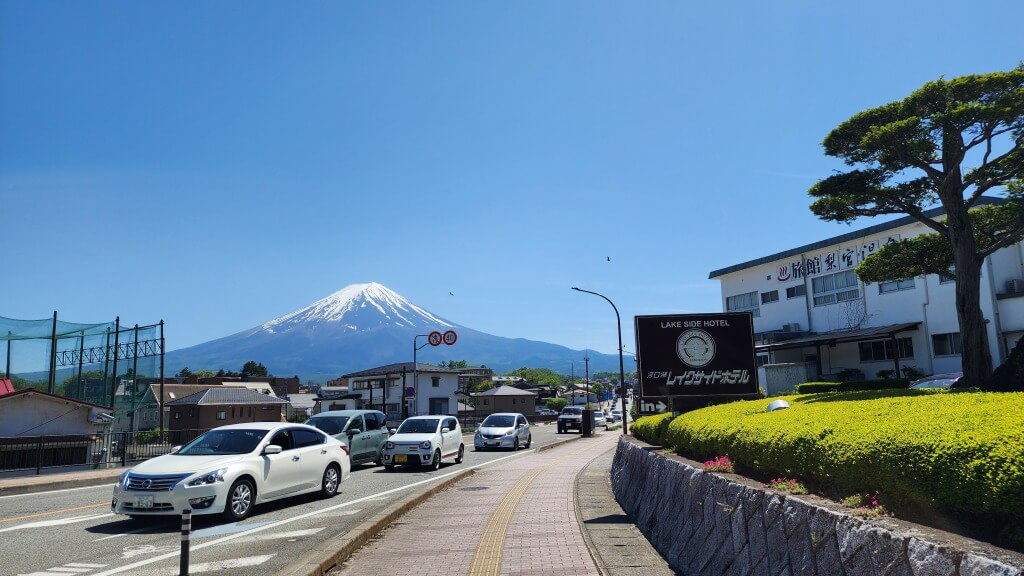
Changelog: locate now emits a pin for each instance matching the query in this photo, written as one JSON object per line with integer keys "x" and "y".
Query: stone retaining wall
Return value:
{"x": 707, "y": 524}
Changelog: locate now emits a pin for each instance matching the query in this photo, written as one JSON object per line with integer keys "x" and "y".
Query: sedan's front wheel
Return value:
{"x": 331, "y": 481}
{"x": 240, "y": 500}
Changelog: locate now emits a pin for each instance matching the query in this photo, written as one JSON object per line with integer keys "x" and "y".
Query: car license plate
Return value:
{"x": 143, "y": 502}
{"x": 399, "y": 458}
{"x": 491, "y": 443}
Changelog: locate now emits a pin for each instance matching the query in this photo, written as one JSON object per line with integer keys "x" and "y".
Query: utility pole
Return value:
{"x": 586, "y": 364}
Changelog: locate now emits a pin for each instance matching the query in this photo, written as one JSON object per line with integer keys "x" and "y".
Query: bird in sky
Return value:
{"x": 450, "y": 294}
{"x": 609, "y": 258}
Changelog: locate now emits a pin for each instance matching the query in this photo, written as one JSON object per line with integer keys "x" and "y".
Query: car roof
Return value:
{"x": 344, "y": 413}
{"x": 260, "y": 426}
{"x": 429, "y": 416}
{"x": 513, "y": 414}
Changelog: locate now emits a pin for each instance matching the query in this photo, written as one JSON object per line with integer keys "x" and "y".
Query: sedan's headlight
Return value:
{"x": 209, "y": 478}
{"x": 389, "y": 445}
{"x": 122, "y": 481}
{"x": 425, "y": 445}
{"x": 477, "y": 434}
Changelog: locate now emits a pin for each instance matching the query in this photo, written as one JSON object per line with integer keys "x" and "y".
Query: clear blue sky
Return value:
{"x": 216, "y": 165}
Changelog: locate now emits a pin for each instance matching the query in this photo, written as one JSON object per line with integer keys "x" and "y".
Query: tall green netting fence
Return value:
{"x": 109, "y": 364}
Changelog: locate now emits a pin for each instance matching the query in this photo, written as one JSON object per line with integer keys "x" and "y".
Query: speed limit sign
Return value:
{"x": 434, "y": 338}
{"x": 450, "y": 337}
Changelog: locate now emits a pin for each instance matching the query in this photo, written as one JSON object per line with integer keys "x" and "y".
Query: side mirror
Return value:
{"x": 353, "y": 431}
{"x": 272, "y": 449}
{"x": 175, "y": 450}
{"x": 392, "y": 430}
{"x": 445, "y": 430}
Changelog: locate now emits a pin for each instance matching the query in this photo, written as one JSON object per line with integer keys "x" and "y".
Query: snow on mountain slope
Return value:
{"x": 348, "y": 306}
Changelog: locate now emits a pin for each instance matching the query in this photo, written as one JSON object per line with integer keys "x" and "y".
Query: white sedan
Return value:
{"x": 231, "y": 469}
{"x": 424, "y": 441}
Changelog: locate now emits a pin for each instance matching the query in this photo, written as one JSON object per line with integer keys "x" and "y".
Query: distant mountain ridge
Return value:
{"x": 366, "y": 325}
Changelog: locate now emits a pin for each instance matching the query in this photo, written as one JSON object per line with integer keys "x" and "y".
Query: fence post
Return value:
{"x": 186, "y": 529}
{"x": 39, "y": 455}
{"x": 124, "y": 448}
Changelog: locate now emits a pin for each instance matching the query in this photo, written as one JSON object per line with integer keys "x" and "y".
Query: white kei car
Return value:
{"x": 231, "y": 469}
{"x": 424, "y": 441}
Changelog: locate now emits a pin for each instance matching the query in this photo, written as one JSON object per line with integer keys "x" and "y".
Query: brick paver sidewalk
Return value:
{"x": 517, "y": 517}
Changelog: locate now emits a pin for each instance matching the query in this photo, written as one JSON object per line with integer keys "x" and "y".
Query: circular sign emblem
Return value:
{"x": 450, "y": 337}
{"x": 695, "y": 348}
{"x": 147, "y": 484}
{"x": 434, "y": 338}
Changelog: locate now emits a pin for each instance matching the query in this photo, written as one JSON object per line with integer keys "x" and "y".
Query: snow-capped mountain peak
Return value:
{"x": 359, "y": 307}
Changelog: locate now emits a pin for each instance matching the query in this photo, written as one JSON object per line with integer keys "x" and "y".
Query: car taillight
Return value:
{"x": 345, "y": 448}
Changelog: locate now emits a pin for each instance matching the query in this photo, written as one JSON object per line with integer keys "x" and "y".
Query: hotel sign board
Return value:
{"x": 693, "y": 360}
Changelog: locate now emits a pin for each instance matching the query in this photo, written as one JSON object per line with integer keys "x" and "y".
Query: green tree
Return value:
{"x": 252, "y": 369}
{"x": 538, "y": 376}
{"x": 204, "y": 373}
{"x": 556, "y": 403}
{"x": 184, "y": 373}
{"x": 947, "y": 143}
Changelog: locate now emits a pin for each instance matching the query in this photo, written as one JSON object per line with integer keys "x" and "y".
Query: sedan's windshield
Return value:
{"x": 574, "y": 411}
{"x": 418, "y": 426}
{"x": 222, "y": 442}
{"x": 499, "y": 421}
{"x": 329, "y": 424}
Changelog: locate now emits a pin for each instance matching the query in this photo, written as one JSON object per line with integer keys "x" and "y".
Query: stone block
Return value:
{"x": 927, "y": 559}
{"x": 977, "y": 565}
{"x": 757, "y": 539}
{"x": 796, "y": 515}
{"x": 854, "y": 538}
{"x": 778, "y": 551}
{"x": 772, "y": 508}
{"x": 826, "y": 556}
{"x": 801, "y": 553}
{"x": 822, "y": 525}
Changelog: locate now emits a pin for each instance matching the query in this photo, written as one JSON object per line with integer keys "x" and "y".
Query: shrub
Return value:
{"x": 651, "y": 429}
{"x": 885, "y": 374}
{"x": 556, "y": 404}
{"x": 848, "y": 374}
{"x": 864, "y": 505}
{"x": 819, "y": 387}
{"x": 911, "y": 372}
{"x": 790, "y": 485}
{"x": 720, "y": 464}
{"x": 957, "y": 451}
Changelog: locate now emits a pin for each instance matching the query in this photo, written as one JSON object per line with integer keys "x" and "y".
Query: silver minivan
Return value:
{"x": 364, "y": 431}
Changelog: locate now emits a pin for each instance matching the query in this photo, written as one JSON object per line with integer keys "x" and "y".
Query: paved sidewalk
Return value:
{"x": 57, "y": 481}
{"x": 516, "y": 518}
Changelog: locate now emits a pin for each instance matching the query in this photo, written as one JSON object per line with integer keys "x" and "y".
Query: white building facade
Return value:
{"x": 431, "y": 392}
{"x": 814, "y": 319}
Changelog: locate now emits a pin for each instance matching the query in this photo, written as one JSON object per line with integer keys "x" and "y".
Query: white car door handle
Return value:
{"x": 295, "y": 458}
{"x": 323, "y": 451}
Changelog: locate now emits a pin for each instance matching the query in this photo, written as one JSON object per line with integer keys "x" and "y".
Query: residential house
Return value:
{"x": 505, "y": 399}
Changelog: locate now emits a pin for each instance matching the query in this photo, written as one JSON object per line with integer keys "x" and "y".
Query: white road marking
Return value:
{"x": 73, "y": 568}
{"x": 230, "y": 537}
{"x": 292, "y": 534}
{"x": 141, "y": 549}
{"x": 220, "y": 565}
{"x": 57, "y": 522}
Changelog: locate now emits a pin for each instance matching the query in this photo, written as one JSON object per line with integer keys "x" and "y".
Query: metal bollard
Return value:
{"x": 186, "y": 529}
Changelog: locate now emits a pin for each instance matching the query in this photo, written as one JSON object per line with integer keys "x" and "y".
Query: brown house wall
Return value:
{"x": 508, "y": 404}
{"x": 205, "y": 417}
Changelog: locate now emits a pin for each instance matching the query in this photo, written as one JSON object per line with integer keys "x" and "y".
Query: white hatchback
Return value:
{"x": 425, "y": 441}
{"x": 231, "y": 469}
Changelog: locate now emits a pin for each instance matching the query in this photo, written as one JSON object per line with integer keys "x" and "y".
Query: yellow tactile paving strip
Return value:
{"x": 487, "y": 559}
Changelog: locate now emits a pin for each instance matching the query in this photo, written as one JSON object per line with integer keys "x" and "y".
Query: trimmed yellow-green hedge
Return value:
{"x": 816, "y": 387}
{"x": 651, "y": 429}
{"x": 955, "y": 450}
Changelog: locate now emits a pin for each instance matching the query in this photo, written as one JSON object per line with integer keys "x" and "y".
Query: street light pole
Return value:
{"x": 622, "y": 371}
{"x": 415, "y": 379}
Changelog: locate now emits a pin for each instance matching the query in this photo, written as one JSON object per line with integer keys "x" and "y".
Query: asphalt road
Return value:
{"x": 73, "y": 532}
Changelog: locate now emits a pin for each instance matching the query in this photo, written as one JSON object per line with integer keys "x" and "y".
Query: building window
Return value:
{"x": 768, "y": 297}
{"x": 796, "y": 291}
{"x": 177, "y": 415}
{"x": 762, "y": 359}
{"x": 946, "y": 344}
{"x": 896, "y": 286}
{"x": 743, "y": 303}
{"x": 222, "y": 415}
{"x": 833, "y": 288}
{"x": 435, "y": 381}
{"x": 878, "y": 350}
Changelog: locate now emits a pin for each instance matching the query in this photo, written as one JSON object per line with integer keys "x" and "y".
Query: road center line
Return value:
{"x": 303, "y": 516}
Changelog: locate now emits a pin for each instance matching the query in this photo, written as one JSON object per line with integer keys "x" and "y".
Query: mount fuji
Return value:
{"x": 367, "y": 325}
